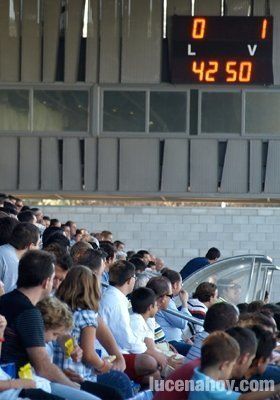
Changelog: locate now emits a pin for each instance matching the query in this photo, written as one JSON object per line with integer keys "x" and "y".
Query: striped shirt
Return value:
{"x": 195, "y": 350}
{"x": 197, "y": 310}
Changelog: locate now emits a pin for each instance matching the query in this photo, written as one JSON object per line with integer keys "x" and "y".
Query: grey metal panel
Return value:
{"x": 50, "y": 168}
{"x": 71, "y": 166}
{"x": 178, "y": 7}
{"x": 207, "y": 7}
{"x": 31, "y": 41}
{"x": 255, "y": 166}
{"x": 8, "y": 163}
{"x": 73, "y": 34}
{"x": 175, "y": 174}
{"x": 204, "y": 166}
{"x": 29, "y": 163}
{"x": 92, "y": 53}
{"x": 259, "y": 7}
{"x": 9, "y": 41}
{"x": 50, "y": 39}
{"x": 139, "y": 165}
{"x": 272, "y": 181}
{"x": 275, "y": 12}
{"x": 238, "y": 7}
{"x": 141, "y": 41}
{"x": 90, "y": 168}
{"x": 235, "y": 171}
{"x": 107, "y": 165}
{"x": 110, "y": 33}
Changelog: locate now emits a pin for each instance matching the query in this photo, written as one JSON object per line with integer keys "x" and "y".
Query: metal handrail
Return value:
{"x": 184, "y": 316}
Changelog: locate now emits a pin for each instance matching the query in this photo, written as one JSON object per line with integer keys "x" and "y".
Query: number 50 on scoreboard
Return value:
{"x": 222, "y": 50}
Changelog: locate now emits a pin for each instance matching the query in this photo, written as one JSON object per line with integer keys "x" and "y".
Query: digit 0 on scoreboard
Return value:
{"x": 222, "y": 50}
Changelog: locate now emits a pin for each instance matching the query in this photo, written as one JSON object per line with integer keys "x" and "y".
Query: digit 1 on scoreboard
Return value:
{"x": 264, "y": 29}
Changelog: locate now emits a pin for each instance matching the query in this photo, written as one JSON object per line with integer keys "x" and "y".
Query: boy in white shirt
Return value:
{"x": 140, "y": 363}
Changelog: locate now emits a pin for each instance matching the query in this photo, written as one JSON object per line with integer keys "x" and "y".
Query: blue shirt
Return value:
{"x": 8, "y": 267}
{"x": 214, "y": 390}
{"x": 171, "y": 325}
{"x": 195, "y": 350}
{"x": 193, "y": 265}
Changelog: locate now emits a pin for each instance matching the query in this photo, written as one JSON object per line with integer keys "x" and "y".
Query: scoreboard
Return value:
{"x": 222, "y": 50}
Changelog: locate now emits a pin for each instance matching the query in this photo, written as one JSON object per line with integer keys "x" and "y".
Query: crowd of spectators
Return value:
{"x": 83, "y": 318}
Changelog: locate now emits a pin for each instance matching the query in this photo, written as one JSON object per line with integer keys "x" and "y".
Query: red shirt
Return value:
{"x": 183, "y": 373}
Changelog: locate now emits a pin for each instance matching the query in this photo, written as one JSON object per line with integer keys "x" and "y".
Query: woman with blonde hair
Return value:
{"x": 80, "y": 291}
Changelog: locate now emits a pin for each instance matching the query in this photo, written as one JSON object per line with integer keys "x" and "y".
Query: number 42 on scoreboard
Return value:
{"x": 235, "y": 71}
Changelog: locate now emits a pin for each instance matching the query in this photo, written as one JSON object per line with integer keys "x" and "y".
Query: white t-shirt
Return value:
{"x": 140, "y": 328}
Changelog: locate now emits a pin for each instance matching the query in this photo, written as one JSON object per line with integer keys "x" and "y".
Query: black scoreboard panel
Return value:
{"x": 222, "y": 50}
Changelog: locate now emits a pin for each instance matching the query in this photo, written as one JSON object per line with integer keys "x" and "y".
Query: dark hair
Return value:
{"x": 205, "y": 291}
{"x": 54, "y": 221}
{"x": 108, "y": 248}
{"x": 69, "y": 223}
{"x": 245, "y": 338}
{"x": 25, "y": 208}
{"x": 118, "y": 243}
{"x": 213, "y": 253}
{"x": 26, "y": 216}
{"x": 91, "y": 259}
{"x": 142, "y": 253}
{"x": 59, "y": 238}
{"x": 141, "y": 299}
{"x": 242, "y": 307}
{"x": 34, "y": 267}
{"x": 46, "y": 218}
{"x": 257, "y": 318}
{"x": 63, "y": 259}
{"x": 220, "y": 316}
{"x": 130, "y": 254}
{"x": 217, "y": 348}
{"x": 273, "y": 308}
{"x": 50, "y": 231}
{"x": 24, "y": 234}
{"x": 105, "y": 234}
{"x": 7, "y": 225}
{"x": 266, "y": 342}
{"x": 10, "y": 208}
{"x": 255, "y": 306}
{"x": 171, "y": 275}
{"x": 138, "y": 263}
{"x": 120, "y": 272}
{"x": 159, "y": 284}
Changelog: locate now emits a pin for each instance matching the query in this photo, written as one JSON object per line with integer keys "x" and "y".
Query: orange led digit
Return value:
{"x": 199, "y": 69}
{"x": 210, "y": 73}
{"x": 264, "y": 29}
{"x": 199, "y": 25}
{"x": 245, "y": 71}
{"x": 231, "y": 71}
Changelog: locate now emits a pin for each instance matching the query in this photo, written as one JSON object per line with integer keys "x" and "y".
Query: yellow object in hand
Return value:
{"x": 69, "y": 347}
{"x": 25, "y": 372}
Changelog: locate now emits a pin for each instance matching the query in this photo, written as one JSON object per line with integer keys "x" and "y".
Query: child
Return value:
{"x": 219, "y": 354}
{"x": 80, "y": 291}
{"x": 11, "y": 389}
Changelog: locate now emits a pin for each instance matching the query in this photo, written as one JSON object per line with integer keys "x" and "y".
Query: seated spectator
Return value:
{"x": 243, "y": 308}
{"x": 55, "y": 222}
{"x": 95, "y": 261}
{"x": 80, "y": 290}
{"x": 114, "y": 311}
{"x": 63, "y": 263}
{"x": 144, "y": 306}
{"x": 142, "y": 277}
{"x": 205, "y": 296}
{"x": 130, "y": 254}
{"x": 173, "y": 326}
{"x": 46, "y": 221}
{"x": 159, "y": 264}
{"x": 24, "y": 337}
{"x": 219, "y": 317}
{"x": 255, "y": 306}
{"x": 73, "y": 228}
{"x": 7, "y": 225}
{"x": 58, "y": 238}
{"x": 27, "y": 216}
{"x": 144, "y": 255}
{"x": 219, "y": 354}
{"x": 78, "y": 249}
{"x": 106, "y": 236}
{"x": 247, "y": 344}
{"x": 196, "y": 263}
{"x": 24, "y": 237}
{"x": 58, "y": 322}
{"x": 249, "y": 320}
{"x": 109, "y": 249}
{"x": 119, "y": 246}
